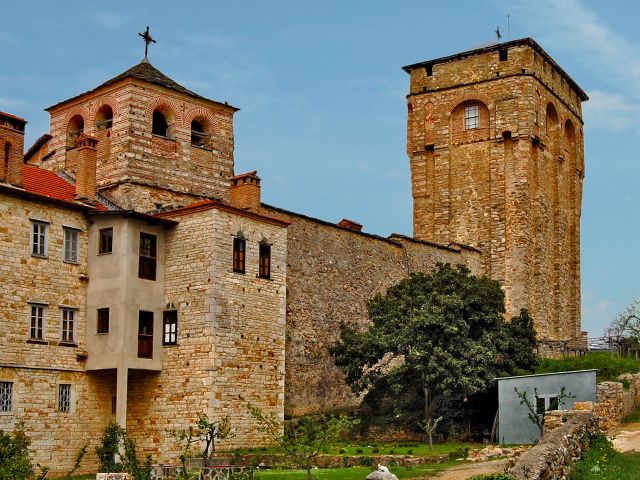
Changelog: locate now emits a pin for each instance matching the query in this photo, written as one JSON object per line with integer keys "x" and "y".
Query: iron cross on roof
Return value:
{"x": 146, "y": 36}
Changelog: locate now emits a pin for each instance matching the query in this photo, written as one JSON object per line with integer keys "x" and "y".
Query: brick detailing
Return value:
{"x": 11, "y": 148}
{"x": 86, "y": 155}
{"x": 245, "y": 191}
{"x": 511, "y": 187}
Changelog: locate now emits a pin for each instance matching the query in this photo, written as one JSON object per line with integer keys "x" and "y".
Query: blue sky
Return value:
{"x": 322, "y": 95}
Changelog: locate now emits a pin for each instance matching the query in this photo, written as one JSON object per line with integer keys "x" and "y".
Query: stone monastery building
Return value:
{"x": 143, "y": 281}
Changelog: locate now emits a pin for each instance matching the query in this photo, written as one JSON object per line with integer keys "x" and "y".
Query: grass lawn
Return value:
{"x": 634, "y": 417}
{"x": 608, "y": 367}
{"x": 601, "y": 461}
{"x": 353, "y": 473}
{"x": 373, "y": 448}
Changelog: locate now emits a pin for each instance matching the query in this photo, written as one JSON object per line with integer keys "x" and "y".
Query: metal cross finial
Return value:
{"x": 498, "y": 34}
{"x": 147, "y": 40}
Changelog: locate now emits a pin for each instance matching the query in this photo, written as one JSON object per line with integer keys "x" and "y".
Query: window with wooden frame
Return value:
{"x": 170, "y": 327}
{"x": 103, "y": 320}
{"x": 239, "y": 251}
{"x": 70, "y": 247}
{"x": 264, "y": 270}
{"x": 68, "y": 325}
{"x": 145, "y": 334}
{"x": 36, "y": 322}
{"x": 39, "y": 238}
{"x": 105, "y": 241}
{"x": 148, "y": 250}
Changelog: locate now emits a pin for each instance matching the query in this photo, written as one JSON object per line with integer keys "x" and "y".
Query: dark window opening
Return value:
{"x": 113, "y": 403}
{"x": 75, "y": 128}
{"x": 198, "y": 134}
{"x": 553, "y": 403}
{"x": 147, "y": 263}
{"x": 105, "y": 242}
{"x": 104, "y": 118}
{"x": 36, "y": 322}
{"x": 145, "y": 334}
{"x": 429, "y": 69}
{"x": 239, "y": 248}
{"x": 170, "y": 327}
{"x": 7, "y": 155}
{"x": 504, "y": 55}
{"x": 265, "y": 261}
{"x": 160, "y": 126}
{"x": 540, "y": 405}
{"x": 103, "y": 320}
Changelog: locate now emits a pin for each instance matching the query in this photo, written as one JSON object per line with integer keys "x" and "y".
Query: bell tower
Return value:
{"x": 495, "y": 145}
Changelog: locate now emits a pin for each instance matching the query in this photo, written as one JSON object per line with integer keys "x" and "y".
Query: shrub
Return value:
{"x": 14, "y": 454}
{"x": 366, "y": 461}
{"x": 458, "y": 453}
{"x": 409, "y": 452}
{"x": 375, "y": 450}
{"x": 343, "y": 451}
{"x": 358, "y": 450}
{"x": 108, "y": 448}
{"x": 392, "y": 451}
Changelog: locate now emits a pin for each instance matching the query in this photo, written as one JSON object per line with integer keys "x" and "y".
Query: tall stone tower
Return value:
{"x": 495, "y": 144}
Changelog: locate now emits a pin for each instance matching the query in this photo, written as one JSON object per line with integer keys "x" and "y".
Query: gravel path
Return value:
{"x": 626, "y": 438}
{"x": 463, "y": 472}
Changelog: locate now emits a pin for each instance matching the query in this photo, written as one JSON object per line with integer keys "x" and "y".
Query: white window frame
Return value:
{"x": 7, "y": 397}
{"x": 42, "y": 318}
{"x": 39, "y": 243}
{"x": 471, "y": 116}
{"x": 68, "y": 316}
{"x": 70, "y": 244}
{"x": 66, "y": 397}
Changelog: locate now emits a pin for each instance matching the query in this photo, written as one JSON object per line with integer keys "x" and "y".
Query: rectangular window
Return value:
{"x": 36, "y": 322}
{"x": 70, "y": 245}
{"x": 265, "y": 261}
{"x": 64, "y": 398}
{"x": 504, "y": 54}
{"x": 540, "y": 405}
{"x": 145, "y": 334}
{"x": 103, "y": 320}
{"x": 68, "y": 325}
{"x": 6, "y": 397}
{"x": 471, "y": 118}
{"x": 553, "y": 403}
{"x": 147, "y": 264}
{"x": 105, "y": 241}
{"x": 170, "y": 327}
{"x": 239, "y": 247}
{"x": 113, "y": 403}
{"x": 39, "y": 239}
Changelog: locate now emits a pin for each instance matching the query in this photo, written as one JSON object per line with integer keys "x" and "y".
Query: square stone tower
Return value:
{"x": 495, "y": 144}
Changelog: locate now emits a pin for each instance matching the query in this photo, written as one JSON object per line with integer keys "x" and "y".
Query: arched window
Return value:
{"x": 74, "y": 128}
{"x": 160, "y": 125}
{"x": 552, "y": 128}
{"x": 104, "y": 118}
{"x": 469, "y": 121}
{"x": 200, "y": 132}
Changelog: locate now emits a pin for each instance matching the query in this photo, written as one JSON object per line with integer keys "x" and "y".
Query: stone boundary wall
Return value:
{"x": 557, "y": 450}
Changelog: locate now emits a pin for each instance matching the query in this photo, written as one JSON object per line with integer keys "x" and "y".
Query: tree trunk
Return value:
{"x": 430, "y": 403}
{"x": 309, "y": 476}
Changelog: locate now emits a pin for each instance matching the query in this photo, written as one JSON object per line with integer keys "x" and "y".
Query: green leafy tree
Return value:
{"x": 212, "y": 430}
{"x": 518, "y": 355}
{"x": 443, "y": 333}
{"x": 303, "y": 441}
{"x": 14, "y": 454}
{"x": 110, "y": 447}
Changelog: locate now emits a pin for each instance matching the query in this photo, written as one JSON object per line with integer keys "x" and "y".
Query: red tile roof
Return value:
{"x": 46, "y": 183}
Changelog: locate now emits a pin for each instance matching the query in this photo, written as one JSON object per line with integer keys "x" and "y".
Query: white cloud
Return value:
{"x": 110, "y": 20}
{"x": 610, "y": 111}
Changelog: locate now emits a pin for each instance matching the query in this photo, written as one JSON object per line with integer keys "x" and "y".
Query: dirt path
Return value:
{"x": 626, "y": 438}
{"x": 463, "y": 472}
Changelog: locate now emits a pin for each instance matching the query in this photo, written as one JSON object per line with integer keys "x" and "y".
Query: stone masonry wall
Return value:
{"x": 332, "y": 272}
{"x": 230, "y": 347}
{"x": 513, "y": 186}
{"x": 36, "y": 368}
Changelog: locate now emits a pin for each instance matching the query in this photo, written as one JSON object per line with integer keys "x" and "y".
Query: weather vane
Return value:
{"x": 146, "y": 36}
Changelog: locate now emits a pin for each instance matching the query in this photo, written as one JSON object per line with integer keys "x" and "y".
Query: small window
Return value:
{"x": 6, "y": 397}
{"x": 74, "y": 129}
{"x": 198, "y": 133}
{"x": 553, "y": 403}
{"x": 114, "y": 401}
{"x": 105, "y": 242}
{"x": 7, "y": 156}
{"x": 147, "y": 264}
{"x": 170, "y": 327}
{"x": 471, "y": 117}
{"x": 239, "y": 248}
{"x": 535, "y": 117}
{"x": 39, "y": 239}
{"x": 540, "y": 405}
{"x": 145, "y": 334}
{"x": 36, "y": 322}
{"x": 504, "y": 55}
{"x": 429, "y": 69}
{"x": 64, "y": 398}
{"x": 104, "y": 118}
{"x": 103, "y": 320}
{"x": 265, "y": 261}
{"x": 68, "y": 325}
{"x": 160, "y": 126}
{"x": 70, "y": 245}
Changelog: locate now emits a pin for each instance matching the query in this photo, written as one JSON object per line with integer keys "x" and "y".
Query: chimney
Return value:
{"x": 245, "y": 191}
{"x": 86, "y": 158}
{"x": 350, "y": 224}
{"x": 11, "y": 148}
